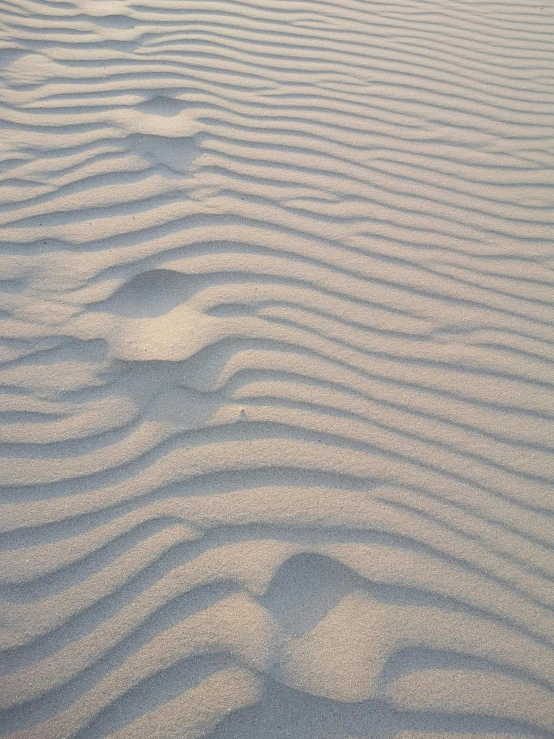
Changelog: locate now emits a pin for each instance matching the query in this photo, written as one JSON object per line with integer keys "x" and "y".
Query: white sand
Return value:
{"x": 277, "y": 369}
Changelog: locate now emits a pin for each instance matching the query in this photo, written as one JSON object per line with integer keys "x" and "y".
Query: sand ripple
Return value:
{"x": 277, "y": 369}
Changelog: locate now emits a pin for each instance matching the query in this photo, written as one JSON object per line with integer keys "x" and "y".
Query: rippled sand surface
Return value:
{"x": 277, "y": 369}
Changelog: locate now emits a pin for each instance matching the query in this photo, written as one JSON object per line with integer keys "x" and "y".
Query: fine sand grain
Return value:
{"x": 277, "y": 369}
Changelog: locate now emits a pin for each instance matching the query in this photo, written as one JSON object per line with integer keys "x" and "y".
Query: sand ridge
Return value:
{"x": 276, "y": 369}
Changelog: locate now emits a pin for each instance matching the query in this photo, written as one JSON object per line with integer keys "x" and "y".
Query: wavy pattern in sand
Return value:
{"x": 277, "y": 377}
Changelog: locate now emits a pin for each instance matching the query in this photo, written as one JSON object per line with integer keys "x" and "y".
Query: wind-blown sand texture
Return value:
{"x": 277, "y": 378}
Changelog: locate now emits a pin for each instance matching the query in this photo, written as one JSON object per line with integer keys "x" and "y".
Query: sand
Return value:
{"x": 277, "y": 369}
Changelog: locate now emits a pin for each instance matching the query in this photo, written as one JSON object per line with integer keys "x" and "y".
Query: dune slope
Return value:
{"x": 277, "y": 369}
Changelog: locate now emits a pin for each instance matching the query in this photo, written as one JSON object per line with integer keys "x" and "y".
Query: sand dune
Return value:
{"x": 277, "y": 369}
